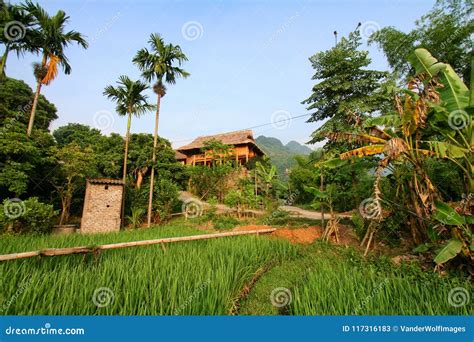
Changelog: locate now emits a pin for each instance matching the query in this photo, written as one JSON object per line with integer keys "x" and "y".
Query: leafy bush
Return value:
{"x": 26, "y": 216}
{"x": 234, "y": 198}
{"x": 165, "y": 199}
{"x": 135, "y": 219}
{"x": 276, "y": 217}
{"x": 224, "y": 222}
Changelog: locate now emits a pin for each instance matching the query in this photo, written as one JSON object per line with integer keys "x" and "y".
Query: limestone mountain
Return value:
{"x": 282, "y": 156}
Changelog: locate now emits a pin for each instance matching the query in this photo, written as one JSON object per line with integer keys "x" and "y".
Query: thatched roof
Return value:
{"x": 179, "y": 156}
{"x": 231, "y": 138}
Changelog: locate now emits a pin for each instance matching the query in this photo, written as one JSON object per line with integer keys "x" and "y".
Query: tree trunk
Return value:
{"x": 354, "y": 185}
{"x": 418, "y": 227}
{"x": 65, "y": 208}
{"x": 152, "y": 177}
{"x": 35, "y": 102}
{"x": 3, "y": 63}
{"x": 125, "y": 158}
{"x": 322, "y": 205}
{"x": 127, "y": 139}
{"x": 33, "y": 109}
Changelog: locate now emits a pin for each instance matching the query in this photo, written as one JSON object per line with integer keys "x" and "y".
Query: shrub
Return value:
{"x": 165, "y": 199}
{"x": 276, "y": 217}
{"x": 224, "y": 222}
{"x": 26, "y": 216}
{"x": 233, "y": 198}
{"x": 135, "y": 219}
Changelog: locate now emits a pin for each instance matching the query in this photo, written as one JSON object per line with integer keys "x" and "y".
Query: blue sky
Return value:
{"x": 248, "y": 60}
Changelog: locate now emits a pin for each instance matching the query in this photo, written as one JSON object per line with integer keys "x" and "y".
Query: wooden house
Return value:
{"x": 242, "y": 148}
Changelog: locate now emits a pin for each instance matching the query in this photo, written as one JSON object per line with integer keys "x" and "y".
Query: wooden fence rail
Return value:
{"x": 95, "y": 249}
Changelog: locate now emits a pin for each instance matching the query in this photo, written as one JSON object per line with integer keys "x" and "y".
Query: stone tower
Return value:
{"x": 102, "y": 206}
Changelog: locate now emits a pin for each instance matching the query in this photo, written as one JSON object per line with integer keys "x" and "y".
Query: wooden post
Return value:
{"x": 322, "y": 189}
{"x": 256, "y": 188}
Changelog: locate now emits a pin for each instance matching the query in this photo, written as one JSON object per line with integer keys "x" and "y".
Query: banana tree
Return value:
{"x": 461, "y": 241}
{"x": 266, "y": 174}
{"x": 433, "y": 118}
{"x": 400, "y": 143}
{"x": 452, "y": 116}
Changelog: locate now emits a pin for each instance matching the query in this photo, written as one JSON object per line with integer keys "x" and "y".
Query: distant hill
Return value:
{"x": 296, "y": 148}
{"x": 282, "y": 155}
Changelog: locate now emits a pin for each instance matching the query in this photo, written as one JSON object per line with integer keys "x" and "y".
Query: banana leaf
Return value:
{"x": 447, "y": 215}
{"x": 455, "y": 94}
{"x": 452, "y": 248}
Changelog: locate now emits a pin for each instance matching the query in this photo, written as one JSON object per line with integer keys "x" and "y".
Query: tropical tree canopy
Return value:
{"x": 346, "y": 91}
{"x": 52, "y": 40}
{"x": 158, "y": 63}
{"x": 129, "y": 96}
{"x": 446, "y": 31}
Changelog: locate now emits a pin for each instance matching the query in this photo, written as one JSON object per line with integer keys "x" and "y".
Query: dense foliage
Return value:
{"x": 446, "y": 31}
{"x": 54, "y": 166}
{"x": 346, "y": 91}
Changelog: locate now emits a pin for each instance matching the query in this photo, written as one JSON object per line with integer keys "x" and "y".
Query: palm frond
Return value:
{"x": 157, "y": 63}
{"x": 128, "y": 96}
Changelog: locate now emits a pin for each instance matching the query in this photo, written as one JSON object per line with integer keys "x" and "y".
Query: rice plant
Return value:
{"x": 190, "y": 278}
{"x": 349, "y": 285}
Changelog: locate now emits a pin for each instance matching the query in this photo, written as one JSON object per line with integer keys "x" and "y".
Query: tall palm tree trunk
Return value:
{"x": 3, "y": 62}
{"x": 125, "y": 159}
{"x": 33, "y": 109}
{"x": 35, "y": 102}
{"x": 152, "y": 177}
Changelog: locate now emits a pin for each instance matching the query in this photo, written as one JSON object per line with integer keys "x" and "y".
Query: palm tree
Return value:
{"x": 157, "y": 65}
{"x": 130, "y": 101}
{"x": 19, "y": 33}
{"x": 52, "y": 40}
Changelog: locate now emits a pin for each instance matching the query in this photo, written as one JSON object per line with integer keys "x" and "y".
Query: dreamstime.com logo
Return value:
{"x": 103, "y": 120}
{"x": 192, "y": 30}
{"x": 46, "y": 330}
{"x": 281, "y": 119}
{"x": 369, "y": 208}
{"x": 14, "y": 208}
{"x": 458, "y": 297}
{"x": 103, "y": 296}
{"x": 192, "y": 208}
{"x": 458, "y": 119}
{"x": 281, "y": 297}
{"x": 14, "y": 30}
{"x": 367, "y": 28}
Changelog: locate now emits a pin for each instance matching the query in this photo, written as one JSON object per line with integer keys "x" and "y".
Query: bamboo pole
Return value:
{"x": 95, "y": 249}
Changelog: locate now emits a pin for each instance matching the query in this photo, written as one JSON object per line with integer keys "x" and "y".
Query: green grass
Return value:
{"x": 189, "y": 278}
{"x": 22, "y": 243}
{"x": 205, "y": 278}
{"x": 332, "y": 280}
{"x": 343, "y": 283}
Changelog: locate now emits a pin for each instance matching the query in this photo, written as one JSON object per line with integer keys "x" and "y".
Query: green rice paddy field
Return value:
{"x": 208, "y": 277}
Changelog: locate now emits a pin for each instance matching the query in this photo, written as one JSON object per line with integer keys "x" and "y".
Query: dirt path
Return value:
{"x": 293, "y": 211}
{"x": 310, "y": 214}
